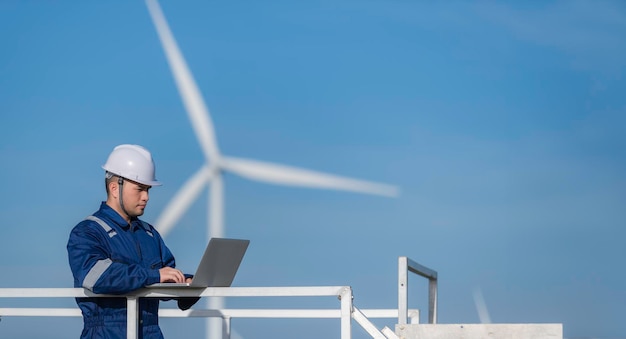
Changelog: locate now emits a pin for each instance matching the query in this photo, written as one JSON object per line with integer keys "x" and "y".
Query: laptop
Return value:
{"x": 218, "y": 265}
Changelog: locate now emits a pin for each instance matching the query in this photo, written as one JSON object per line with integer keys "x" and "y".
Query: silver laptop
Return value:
{"x": 218, "y": 265}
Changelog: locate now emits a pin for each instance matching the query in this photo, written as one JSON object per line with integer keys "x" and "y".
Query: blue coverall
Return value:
{"x": 116, "y": 260}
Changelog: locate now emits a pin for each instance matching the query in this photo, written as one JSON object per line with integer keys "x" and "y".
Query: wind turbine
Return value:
{"x": 481, "y": 306}
{"x": 211, "y": 172}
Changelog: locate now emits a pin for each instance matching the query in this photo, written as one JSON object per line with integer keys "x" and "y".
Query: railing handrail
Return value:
{"x": 406, "y": 265}
{"x": 344, "y": 294}
{"x": 282, "y": 291}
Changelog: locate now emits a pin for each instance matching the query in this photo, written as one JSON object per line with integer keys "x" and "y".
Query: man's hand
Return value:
{"x": 168, "y": 274}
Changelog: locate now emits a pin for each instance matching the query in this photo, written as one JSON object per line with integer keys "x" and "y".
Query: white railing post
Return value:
{"x": 432, "y": 301}
{"x": 346, "y": 313}
{"x": 226, "y": 327}
{"x": 132, "y": 317}
{"x": 403, "y": 296}
{"x": 406, "y": 265}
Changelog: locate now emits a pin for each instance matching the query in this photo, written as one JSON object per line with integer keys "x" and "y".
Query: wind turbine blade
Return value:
{"x": 286, "y": 175}
{"x": 481, "y": 307}
{"x": 194, "y": 104}
{"x": 182, "y": 200}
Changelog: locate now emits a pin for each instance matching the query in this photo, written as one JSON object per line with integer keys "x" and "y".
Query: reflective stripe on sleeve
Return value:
{"x": 95, "y": 273}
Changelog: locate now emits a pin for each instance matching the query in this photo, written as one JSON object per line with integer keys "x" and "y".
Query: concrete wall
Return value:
{"x": 479, "y": 331}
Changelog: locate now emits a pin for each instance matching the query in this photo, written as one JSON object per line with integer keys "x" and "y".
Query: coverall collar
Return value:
{"x": 118, "y": 219}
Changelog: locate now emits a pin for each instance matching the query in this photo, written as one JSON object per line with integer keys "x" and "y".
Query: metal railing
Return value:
{"x": 346, "y": 312}
{"x": 406, "y": 265}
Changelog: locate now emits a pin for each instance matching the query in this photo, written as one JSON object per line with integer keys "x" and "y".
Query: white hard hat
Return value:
{"x": 132, "y": 162}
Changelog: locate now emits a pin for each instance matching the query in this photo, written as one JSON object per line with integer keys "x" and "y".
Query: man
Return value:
{"x": 113, "y": 252}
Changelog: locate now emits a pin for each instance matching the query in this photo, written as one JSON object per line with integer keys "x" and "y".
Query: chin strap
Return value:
{"x": 120, "y": 183}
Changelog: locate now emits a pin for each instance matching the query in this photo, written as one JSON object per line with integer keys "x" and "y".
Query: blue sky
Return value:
{"x": 501, "y": 122}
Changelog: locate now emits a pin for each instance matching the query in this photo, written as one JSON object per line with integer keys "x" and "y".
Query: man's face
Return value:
{"x": 135, "y": 196}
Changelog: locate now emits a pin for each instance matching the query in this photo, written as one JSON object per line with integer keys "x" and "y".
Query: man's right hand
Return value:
{"x": 169, "y": 274}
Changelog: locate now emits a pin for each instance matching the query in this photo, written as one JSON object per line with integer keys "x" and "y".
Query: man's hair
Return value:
{"x": 108, "y": 178}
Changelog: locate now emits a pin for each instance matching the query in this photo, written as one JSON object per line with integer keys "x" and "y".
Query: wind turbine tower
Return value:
{"x": 210, "y": 174}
